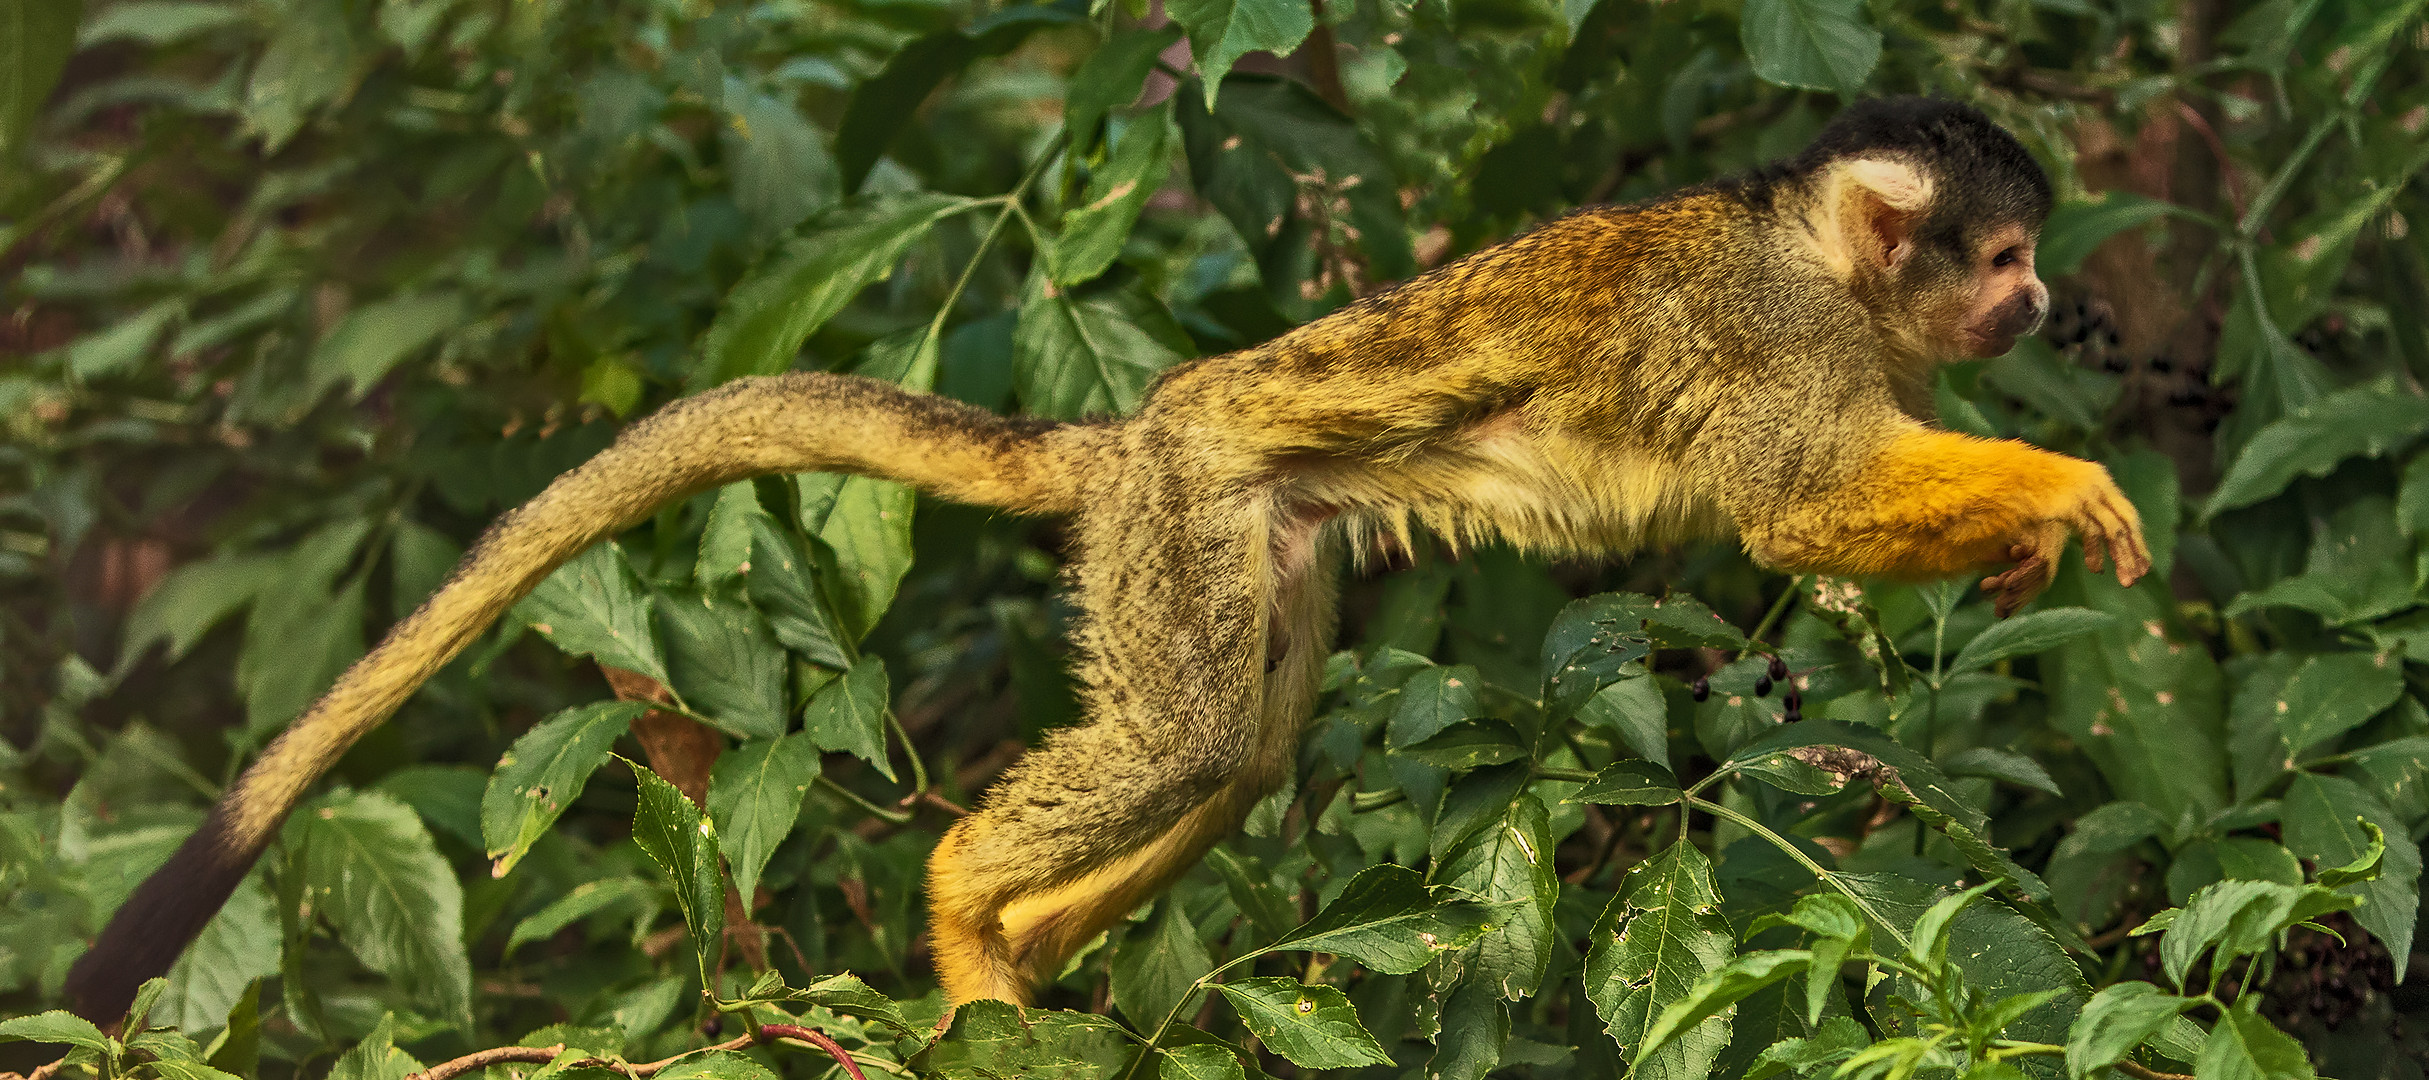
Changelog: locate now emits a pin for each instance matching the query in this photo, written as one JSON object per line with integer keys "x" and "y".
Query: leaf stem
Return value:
{"x": 1010, "y": 201}
{"x": 897, "y": 817}
{"x": 1828, "y": 876}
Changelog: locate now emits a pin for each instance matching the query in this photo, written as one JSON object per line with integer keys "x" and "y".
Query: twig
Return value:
{"x": 41, "y": 1072}
{"x": 542, "y": 1055}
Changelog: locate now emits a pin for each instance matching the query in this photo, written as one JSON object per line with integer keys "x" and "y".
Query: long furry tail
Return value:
{"x": 801, "y": 422}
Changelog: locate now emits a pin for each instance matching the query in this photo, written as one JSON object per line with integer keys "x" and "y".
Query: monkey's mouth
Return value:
{"x": 1983, "y": 345}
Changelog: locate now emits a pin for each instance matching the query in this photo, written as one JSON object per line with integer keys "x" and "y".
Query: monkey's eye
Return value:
{"x": 2004, "y": 258}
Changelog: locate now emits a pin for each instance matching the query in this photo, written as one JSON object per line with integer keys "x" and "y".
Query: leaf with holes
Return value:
{"x": 543, "y": 773}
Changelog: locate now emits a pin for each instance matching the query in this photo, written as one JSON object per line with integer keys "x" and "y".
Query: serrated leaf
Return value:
{"x": 1810, "y": 44}
{"x": 1658, "y": 938}
{"x": 734, "y": 521}
{"x": 593, "y": 606}
{"x": 2001, "y": 952}
{"x": 1469, "y": 744}
{"x": 581, "y": 902}
{"x": 1508, "y": 864}
{"x": 543, "y": 773}
{"x": 716, "y": 1065}
{"x": 1223, "y": 31}
{"x": 754, "y": 795}
{"x": 2323, "y": 818}
{"x": 994, "y": 1039}
{"x": 2023, "y": 635}
{"x": 1153, "y": 972}
{"x": 865, "y": 526}
{"x": 1315, "y": 1027}
{"x": 1630, "y": 783}
{"x": 1997, "y": 764}
{"x": 57, "y": 1026}
{"x": 2364, "y": 421}
{"x": 2245, "y": 1046}
{"x": 1716, "y": 993}
{"x": 849, "y": 714}
{"x": 2333, "y": 693}
{"x": 1095, "y": 227}
{"x": 377, "y": 1057}
{"x": 797, "y": 288}
{"x": 1091, "y": 353}
{"x": 2116, "y": 1021}
{"x": 783, "y": 584}
{"x": 392, "y": 897}
{"x": 682, "y": 841}
{"x": 724, "y": 661}
{"x": 1386, "y": 920}
{"x": 237, "y": 949}
{"x": 1110, "y": 78}
{"x": 1198, "y": 1061}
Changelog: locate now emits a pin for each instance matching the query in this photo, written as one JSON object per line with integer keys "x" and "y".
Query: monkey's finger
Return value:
{"x": 2095, "y": 550}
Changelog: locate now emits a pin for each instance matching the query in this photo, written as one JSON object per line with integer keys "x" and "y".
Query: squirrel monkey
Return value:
{"x": 1750, "y": 356}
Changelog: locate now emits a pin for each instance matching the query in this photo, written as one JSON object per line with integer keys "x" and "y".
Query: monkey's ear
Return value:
{"x": 1879, "y": 203}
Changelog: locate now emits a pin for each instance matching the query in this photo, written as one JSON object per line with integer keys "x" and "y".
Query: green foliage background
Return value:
{"x": 296, "y": 295}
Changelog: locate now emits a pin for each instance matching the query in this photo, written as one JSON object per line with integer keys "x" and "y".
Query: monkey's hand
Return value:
{"x": 2096, "y": 510}
{"x": 1933, "y": 504}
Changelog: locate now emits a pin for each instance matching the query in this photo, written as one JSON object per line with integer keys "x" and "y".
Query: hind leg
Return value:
{"x": 1179, "y": 602}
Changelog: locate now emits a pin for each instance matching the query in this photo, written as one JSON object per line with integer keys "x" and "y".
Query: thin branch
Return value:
{"x": 542, "y": 1055}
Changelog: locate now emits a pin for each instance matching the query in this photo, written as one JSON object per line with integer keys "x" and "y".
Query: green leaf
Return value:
{"x": 724, "y": 661}
{"x": 806, "y": 280}
{"x": 727, "y": 541}
{"x": 1996, "y": 764}
{"x": 1091, "y": 353}
{"x": 865, "y": 525}
{"x": 392, "y": 897}
{"x": 1655, "y": 942}
{"x": 582, "y": 901}
{"x": 2244, "y": 1046}
{"x": 2023, "y": 635}
{"x": 992, "y": 1039}
{"x": 1249, "y": 157}
{"x": 1715, "y": 993}
{"x": 237, "y": 949}
{"x": 846, "y": 993}
{"x": 1223, "y": 31}
{"x": 1636, "y": 713}
{"x": 1385, "y": 920}
{"x": 1630, "y": 783}
{"x": 2001, "y": 952}
{"x": 2239, "y": 919}
{"x": 2334, "y": 693}
{"x": 2116, "y": 1021}
{"x": 1469, "y": 744}
{"x": 36, "y": 37}
{"x": 882, "y": 107}
{"x": 1314, "y": 1027}
{"x": 1810, "y": 44}
{"x": 2360, "y": 568}
{"x": 1094, "y": 228}
{"x": 1927, "y": 943}
{"x": 2143, "y": 701}
{"x": 1509, "y": 864}
{"x": 2320, "y": 817}
{"x": 307, "y": 65}
{"x": 57, "y": 1026}
{"x": 123, "y": 346}
{"x": 849, "y": 714}
{"x": 304, "y": 627}
{"x": 1592, "y": 644}
{"x": 754, "y": 796}
{"x": 781, "y": 170}
{"x": 716, "y": 1065}
{"x": 1433, "y": 699}
{"x": 543, "y": 773}
{"x": 1198, "y": 1061}
{"x": 783, "y": 584}
{"x": 2076, "y": 229}
{"x": 683, "y": 842}
{"x": 1154, "y": 971}
{"x": 2366, "y": 866}
{"x": 2370, "y": 421}
{"x": 154, "y": 22}
{"x": 377, "y": 1057}
{"x": 192, "y": 599}
{"x": 1111, "y": 78}
{"x": 593, "y": 606}
{"x": 372, "y": 339}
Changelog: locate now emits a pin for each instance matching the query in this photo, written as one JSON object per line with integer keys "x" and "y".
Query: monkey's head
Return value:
{"x": 1932, "y": 211}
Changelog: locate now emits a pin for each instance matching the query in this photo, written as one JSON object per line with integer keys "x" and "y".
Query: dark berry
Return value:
{"x": 1779, "y": 669}
{"x": 713, "y": 1026}
{"x": 1702, "y": 688}
{"x": 1792, "y": 715}
{"x": 1762, "y": 685}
